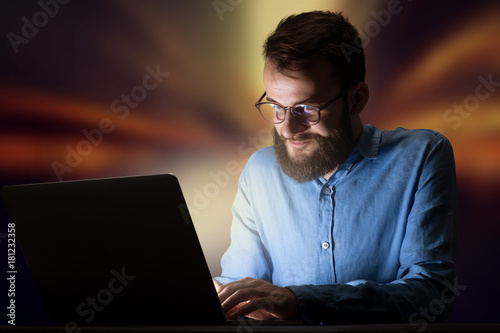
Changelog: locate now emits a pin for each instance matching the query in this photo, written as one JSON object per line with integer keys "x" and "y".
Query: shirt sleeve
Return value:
{"x": 246, "y": 255}
{"x": 425, "y": 288}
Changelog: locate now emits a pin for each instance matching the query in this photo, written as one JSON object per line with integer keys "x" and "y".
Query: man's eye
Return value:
{"x": 302, "y": 109}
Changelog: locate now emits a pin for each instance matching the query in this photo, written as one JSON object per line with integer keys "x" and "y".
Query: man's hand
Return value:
{"x": 257, "y": 299}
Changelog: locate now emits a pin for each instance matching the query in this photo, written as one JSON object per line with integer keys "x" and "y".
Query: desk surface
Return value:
{"x": 246, "y": 328}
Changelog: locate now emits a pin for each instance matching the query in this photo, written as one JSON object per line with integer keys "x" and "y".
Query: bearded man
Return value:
{"x": 339, "y": 222}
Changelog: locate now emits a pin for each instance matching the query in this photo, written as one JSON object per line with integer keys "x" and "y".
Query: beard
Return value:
{"x": 331, "y": 151}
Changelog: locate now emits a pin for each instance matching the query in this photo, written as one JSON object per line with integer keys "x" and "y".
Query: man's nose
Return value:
{"x": 291, "y": 126}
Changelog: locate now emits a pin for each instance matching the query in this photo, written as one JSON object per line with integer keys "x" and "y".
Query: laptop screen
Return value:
{"x": 116, "y": 251}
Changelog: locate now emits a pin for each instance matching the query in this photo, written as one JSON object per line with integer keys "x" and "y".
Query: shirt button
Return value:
{"x": 326, "y": 190}
{"x": 325, "y": 245}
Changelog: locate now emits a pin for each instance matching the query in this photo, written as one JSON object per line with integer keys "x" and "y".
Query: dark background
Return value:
{"x": 421, "y": 61}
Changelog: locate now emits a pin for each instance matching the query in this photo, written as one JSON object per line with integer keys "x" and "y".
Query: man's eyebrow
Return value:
{"x": 269, "y": 99}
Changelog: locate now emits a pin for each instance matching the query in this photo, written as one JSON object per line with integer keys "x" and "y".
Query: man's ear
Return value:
{"x": 358, "y": 97}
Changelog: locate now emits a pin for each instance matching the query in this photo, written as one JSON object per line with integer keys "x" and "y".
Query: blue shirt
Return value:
{"x": 374, "y": 243}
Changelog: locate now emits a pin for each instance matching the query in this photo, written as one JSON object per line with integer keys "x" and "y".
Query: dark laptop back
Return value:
{"x": 117, "y": 251}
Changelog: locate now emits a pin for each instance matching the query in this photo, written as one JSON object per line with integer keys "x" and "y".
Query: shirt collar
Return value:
{"x": 367, "y": 146}
{"x": 369, "y": 141}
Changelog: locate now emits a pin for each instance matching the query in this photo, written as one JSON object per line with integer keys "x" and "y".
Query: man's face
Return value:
{"x": 307, "y": 152}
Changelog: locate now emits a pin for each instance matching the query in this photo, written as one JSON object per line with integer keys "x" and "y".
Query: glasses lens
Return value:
{"x": 306, "y": 114}
{"x": 272, "y": 112}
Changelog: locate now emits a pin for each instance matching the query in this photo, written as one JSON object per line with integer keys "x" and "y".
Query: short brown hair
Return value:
{"x": 300, "y": 39}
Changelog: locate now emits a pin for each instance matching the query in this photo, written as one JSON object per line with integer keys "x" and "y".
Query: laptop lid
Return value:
{"x": 115, "y": 251}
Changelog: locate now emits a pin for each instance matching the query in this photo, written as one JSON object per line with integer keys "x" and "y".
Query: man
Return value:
{"x": 338, "y": 222}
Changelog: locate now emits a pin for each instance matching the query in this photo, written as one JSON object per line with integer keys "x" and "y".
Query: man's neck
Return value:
{"x": 328, "y": 175}
{"x": 357, "y": 129}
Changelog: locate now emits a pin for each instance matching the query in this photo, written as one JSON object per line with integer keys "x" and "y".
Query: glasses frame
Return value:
{"x": 290, "y": 108}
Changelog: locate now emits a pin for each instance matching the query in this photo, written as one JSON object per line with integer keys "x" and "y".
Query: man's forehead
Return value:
{"x": 273, "y": 69}
{"x": 321, "y": 71}
{"x": 305, "y": 84}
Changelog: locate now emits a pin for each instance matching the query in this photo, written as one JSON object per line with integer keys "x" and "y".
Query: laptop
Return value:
{"x": 116, "y": 252}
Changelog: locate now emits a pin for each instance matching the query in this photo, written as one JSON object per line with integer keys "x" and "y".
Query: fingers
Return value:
{"x": 231, "y": 299}
{"x": 217, "y": 284}
{"x": 234, "y": 293}
{"x": 230, "y": 314}
{"x": 256, "y": 299}
{"x": 259, "y": 309}
{"x": 230, "y": 288}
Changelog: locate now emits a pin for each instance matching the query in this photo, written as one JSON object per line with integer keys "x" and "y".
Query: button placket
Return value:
{"x": 325, "y": 236}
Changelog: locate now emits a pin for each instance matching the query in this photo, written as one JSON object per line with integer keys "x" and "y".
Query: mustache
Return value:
{"x": 303, "y": 137}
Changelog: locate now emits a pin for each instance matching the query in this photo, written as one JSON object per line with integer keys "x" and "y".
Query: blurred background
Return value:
{"x": 111, "y": 88}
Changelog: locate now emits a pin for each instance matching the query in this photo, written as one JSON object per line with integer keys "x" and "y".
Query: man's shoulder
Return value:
{"x": 410, "y": 137}
{"x": 262, "y": 166}
{"x": 264, "y": 157}
{"x": 408, "y": 145}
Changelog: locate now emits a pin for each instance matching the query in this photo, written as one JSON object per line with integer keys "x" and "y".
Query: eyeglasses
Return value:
{"x": 306, "y": 114}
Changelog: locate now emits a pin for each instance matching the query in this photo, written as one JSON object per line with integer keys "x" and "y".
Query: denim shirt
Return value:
{"x": 376, "y": 242}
